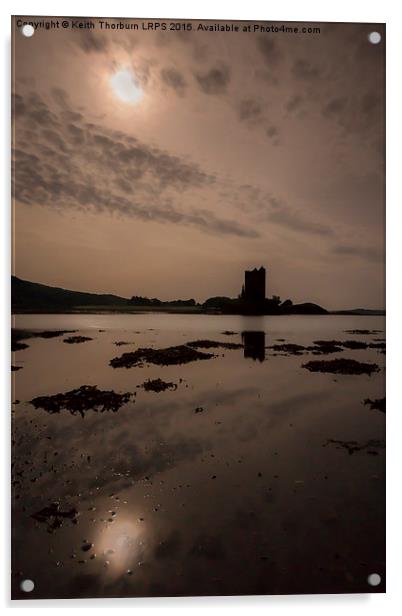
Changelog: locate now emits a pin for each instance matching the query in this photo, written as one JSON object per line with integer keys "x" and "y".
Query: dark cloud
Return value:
{"x": 173, "y": 79}
{"x": 269, "y": 50}
{"x": 249, "y": 110}
{"x": 297, "y": 221}
{"x": 215, "y": 81}
{"x": 75, "y": 164}
{"x": 335, "y": 106}
{"x": 371, "y": 102}
{"x": 90, "y": 42}
{"x": 294, "y": 103}
{"x": 265, "y": 207}
{"x": 273, "y": 133}
{"x": 305, "y": 70}
{"x": 369, "y": 253}
{"x": 61, "y": 97}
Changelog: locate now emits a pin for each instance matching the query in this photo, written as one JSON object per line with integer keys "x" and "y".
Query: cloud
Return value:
{"x": 335, "y": 106}
{"x": 90, "y": 42}
{"x": 65, "y": 162}
{"x": 273, "y": 133}
{"x": 305, "y": 70}
{"x": 297, "y": 221}
{"x": 249, "y": 110}
{"x": 173, "y": 79}
{"x": 215, "y": 81}
{"x": 368, "y": 253}
{"x": 265, "y": 207}
{"x": 294, "y": 103}
{"x": 269, "y": 50}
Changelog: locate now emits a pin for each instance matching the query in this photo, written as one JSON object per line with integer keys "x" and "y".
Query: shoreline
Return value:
{"x": 178, "y": 310}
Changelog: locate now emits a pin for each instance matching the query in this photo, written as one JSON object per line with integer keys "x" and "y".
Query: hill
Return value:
{"x": 32, "y": 296}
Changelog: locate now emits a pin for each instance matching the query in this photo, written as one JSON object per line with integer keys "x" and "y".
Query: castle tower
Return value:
{"x": 254, "y": 285}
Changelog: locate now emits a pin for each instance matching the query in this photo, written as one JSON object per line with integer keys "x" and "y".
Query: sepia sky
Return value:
{"x": 240, "y": 150}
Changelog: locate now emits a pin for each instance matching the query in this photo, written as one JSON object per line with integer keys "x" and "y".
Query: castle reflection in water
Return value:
{"x": 254, "y": 345}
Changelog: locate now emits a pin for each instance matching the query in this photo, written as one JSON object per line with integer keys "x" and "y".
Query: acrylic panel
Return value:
{"x": 198, "y": 342}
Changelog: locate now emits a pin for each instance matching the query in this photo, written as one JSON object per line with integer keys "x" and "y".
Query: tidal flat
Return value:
{"x": 222, "y": 467}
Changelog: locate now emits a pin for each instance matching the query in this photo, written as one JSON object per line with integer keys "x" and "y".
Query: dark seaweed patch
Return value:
{"x": 289, "y": 348}
{"x": 77, "y": 339}
{"x": 81, "y": 400}
{"x": 176, "y": 355}
{"x": 363, "y": 331}
{"x": 214, "y": 344}
{"x": 341, "y": 366}
{"x": 378, "y": 404}
{"x": 352, "y": 446}
{"x": 324, "y": 347}
{"x": 53, "y": 516}
{"x": 23, "y": 334}
{"x": 157, "y": 385}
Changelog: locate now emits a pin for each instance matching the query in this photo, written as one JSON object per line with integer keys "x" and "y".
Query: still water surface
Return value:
{"x": 241, "y": 497}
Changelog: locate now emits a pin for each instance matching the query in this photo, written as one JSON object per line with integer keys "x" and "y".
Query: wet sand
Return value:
{"x": 242, "y": 474}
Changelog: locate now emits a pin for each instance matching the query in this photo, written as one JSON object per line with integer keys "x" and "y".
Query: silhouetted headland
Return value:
{"x": 32, "y": 297}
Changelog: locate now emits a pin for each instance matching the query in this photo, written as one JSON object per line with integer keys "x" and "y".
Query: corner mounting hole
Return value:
{"x": 28, "y": 30}
{"x": 374, "y": 579}
{"x": 374, "y": 38}
{"x": 27, "y": 585}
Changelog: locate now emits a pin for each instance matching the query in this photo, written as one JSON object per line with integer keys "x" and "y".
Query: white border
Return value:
{"x": 388, "y": 11}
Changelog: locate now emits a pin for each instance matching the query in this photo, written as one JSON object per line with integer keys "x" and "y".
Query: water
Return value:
{"x": 241, "y": 498}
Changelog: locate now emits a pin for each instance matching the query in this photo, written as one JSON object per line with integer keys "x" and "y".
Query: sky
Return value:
{"x": 164, "y": 164}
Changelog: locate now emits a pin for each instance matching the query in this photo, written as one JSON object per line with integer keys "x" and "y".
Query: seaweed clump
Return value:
{"x": 81, "y": 400}
{"x": 76, "y": 339}
{"x": 363, "y": 331}
{"x": 341, "y": 366}
{"x": 288, "y": 348}
{"x": 352, "y": 446}
{"x": 23, "y": 334}
{"x": 214, "y": 344}
{"x": 53, "y": 516}
{"x": 157, "y": 385}
{"x": 378, "y": 404}
{"x": 324, "y": 347}
{"x": 176, "y": 355}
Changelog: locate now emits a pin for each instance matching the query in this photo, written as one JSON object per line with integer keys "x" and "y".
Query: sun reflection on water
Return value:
{"x": 119, "y": 544}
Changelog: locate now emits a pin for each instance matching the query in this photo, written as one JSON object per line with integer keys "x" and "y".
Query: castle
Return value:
{"x": 254, "y": 288}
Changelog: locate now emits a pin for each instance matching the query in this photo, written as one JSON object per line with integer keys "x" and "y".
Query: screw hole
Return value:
{"x": 28, "y": 30}
{"x": 27, "y": 585}
{"x": 374, "y": 38}
{"x": 374, "y": 579}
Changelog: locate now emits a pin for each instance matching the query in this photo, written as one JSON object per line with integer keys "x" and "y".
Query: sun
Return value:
{"x": 126, "y": 87}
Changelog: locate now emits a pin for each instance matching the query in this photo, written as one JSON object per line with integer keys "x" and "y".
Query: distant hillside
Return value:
{"x": 361, "y": 312}
{"x": 26, "y": 295}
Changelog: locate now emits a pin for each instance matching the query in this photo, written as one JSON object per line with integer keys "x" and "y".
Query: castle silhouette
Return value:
{"x": 254, "y": 287}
